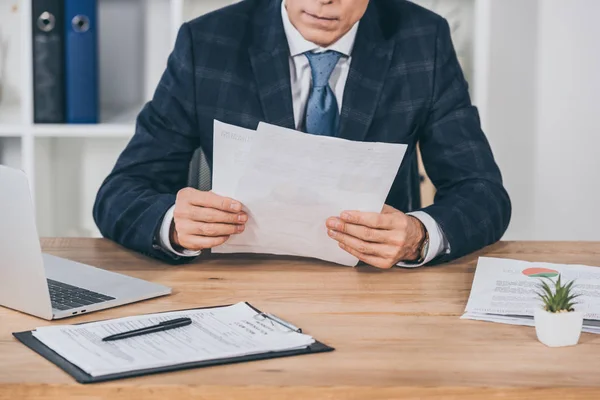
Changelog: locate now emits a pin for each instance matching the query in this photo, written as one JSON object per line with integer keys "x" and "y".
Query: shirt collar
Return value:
{"x": 298, "y": 45}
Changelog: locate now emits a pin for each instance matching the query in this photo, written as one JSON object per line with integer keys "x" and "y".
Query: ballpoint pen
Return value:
{"x": 163, "y": 326}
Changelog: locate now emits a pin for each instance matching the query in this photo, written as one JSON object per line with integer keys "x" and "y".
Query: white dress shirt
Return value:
{"x": 301, "y": 81}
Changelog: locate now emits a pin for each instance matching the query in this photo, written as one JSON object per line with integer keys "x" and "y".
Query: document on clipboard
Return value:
{"x": 216, "y": 335}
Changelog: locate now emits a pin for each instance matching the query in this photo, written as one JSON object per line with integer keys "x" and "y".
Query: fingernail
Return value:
{"x": 331, "y": 223}
{"x": 346, "y": 216}
{"x": 342, "y": 246}
{"x": 241, "y": 228}
{"x": 332, "y": 233}
{"x": 242, "y": 218}
{"x": 235, "y": 206}
{"x": 339, "y": 226}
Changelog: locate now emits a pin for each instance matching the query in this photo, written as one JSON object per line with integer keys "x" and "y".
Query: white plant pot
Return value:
{"x": 558, "y": 329}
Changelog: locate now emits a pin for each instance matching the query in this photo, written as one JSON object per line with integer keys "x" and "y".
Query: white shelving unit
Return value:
{"x": 66, "y": 164}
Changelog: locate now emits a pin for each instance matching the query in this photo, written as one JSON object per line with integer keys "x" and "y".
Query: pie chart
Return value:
{"x": 540, "y": 272}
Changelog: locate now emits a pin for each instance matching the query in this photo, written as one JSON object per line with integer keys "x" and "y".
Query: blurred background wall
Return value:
{"x": 540, "y": 110}
{"x": 533, "y": 67}
{"x": 567, "y": 189}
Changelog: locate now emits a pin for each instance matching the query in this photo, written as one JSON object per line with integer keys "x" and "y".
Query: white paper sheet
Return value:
{"x": 504, "y": 291}
{"x": 293, "y": 182}
{"x": 215, "y": 333}
{"x": 231, "y": 145}
{"x": 589, "y": 326}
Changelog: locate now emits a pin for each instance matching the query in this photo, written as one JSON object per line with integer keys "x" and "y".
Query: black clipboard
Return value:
{"x": 81, "y": 376}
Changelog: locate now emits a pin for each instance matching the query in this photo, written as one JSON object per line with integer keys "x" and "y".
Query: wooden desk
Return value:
{"x": 397, "y": 333}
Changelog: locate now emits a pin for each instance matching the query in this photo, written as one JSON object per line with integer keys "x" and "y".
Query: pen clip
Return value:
{"x": 273, "y": 319}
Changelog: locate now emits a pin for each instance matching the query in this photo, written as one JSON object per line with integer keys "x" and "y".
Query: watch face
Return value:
{"x": 425, "y": 249}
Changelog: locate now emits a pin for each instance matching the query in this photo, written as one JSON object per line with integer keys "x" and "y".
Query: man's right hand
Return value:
{"x": 203, "y": 220}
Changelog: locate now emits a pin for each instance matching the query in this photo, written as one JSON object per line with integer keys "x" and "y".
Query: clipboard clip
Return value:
{"x": 275, "y": 320}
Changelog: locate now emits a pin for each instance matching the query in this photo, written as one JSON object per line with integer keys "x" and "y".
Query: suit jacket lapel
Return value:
{"x": 269, "y": 57}
{"x": 371, "y": 59}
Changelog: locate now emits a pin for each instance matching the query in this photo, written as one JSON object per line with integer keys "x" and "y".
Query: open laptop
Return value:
{"x": 46, "y": 286}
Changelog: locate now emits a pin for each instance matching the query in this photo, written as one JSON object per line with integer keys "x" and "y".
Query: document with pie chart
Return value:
{"x": 505, "y": 290}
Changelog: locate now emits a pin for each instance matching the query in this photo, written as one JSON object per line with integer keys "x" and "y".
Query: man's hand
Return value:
{"x": 203, "y": 220}
{"x": 381, "y": 240}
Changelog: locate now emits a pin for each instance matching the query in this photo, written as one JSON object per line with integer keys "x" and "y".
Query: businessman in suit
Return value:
{"x": 365, "y": 70}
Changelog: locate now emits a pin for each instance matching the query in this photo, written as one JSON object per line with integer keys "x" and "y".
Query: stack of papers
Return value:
{"x": 215, "y": 333}
{"x": 505, "y": 290}
{"x": 290, "y": 183}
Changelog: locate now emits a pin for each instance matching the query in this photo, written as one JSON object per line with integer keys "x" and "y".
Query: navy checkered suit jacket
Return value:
{"x": 405, "y": 85}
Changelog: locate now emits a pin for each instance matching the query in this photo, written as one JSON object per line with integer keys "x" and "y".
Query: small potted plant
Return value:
{"x": 557, "y": 324}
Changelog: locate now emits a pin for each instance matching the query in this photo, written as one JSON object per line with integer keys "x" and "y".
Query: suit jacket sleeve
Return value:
{"x": 471, "y": 205}
{"x": 154, "y": 166}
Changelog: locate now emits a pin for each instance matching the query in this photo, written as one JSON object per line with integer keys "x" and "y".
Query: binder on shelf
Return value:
{"x": 48, "y": 61}
{"x": 81, "y": 61}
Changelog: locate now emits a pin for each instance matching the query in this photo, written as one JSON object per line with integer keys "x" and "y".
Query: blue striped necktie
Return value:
{"x": 322, "y": 114}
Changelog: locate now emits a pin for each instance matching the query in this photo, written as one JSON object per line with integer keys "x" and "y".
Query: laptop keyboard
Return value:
{"x": 65, "y": 297}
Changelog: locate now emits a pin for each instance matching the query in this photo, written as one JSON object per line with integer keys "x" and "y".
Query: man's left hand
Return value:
{"x": 379, "y": 239}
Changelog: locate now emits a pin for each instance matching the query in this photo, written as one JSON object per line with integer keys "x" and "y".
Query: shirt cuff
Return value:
{"x": 164, "y": 237}
{"x": 438, "y": 244}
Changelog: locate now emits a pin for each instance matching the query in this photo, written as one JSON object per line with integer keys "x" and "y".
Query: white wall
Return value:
{"x": 121, "y": 53}
{"x": 158, "y": 43}
{"x": 567, "y": 173}
{"x": 540, "y": 112}
{"x": 507, "y": 102}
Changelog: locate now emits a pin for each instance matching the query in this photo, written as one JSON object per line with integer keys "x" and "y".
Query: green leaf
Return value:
{"x": 546, "y": 288}
{"x": 557, "y": 296}
{"x": 569, "y": 286}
